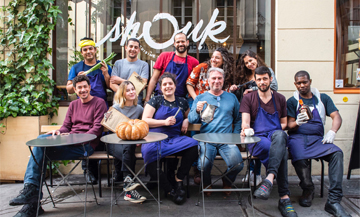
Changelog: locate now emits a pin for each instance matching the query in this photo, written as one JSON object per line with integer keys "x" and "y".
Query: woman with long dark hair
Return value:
{"x": 249, "y": 61}
{"x": 197, "y": 82}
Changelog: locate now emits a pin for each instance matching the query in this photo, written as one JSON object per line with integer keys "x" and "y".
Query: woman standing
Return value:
{"x": 249, "y": 61}
{"x": 161, "y": 113}
{"x": 126, "y": 102}
{"x": 197, "y": 82}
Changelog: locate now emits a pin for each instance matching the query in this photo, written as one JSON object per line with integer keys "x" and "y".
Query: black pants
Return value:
{"x": 336, "y": 169}
{"x": 278, "y": 156}
{"x": 93, "y": 163}
{"x": 125, "y": 154}
{"x": 188, "y": 157}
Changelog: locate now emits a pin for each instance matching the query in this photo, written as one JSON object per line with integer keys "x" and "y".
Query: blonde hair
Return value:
{"x": 120, "y": 94}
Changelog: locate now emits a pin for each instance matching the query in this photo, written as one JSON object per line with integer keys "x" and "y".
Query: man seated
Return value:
{"x": 83, "y": 116}
{"x": 226, "y": 114}
{"x": 307, "y": 141}
{"x": 264, "y": 111}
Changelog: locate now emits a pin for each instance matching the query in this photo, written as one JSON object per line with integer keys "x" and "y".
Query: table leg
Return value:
{"x": 202, "y": 179}
{"x": 137, "y": 178}
{"x": 112, "y": 178}
{"x": 158, "y": 173}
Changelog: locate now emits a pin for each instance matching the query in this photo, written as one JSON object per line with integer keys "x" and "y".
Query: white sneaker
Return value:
{"x": 134, "y": 197}
{"x": 129, "y": 185}
{"x": 258, "y": 179}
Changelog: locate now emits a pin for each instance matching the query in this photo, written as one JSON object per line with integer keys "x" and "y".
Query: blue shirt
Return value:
{"x": 226, "y": 115}
{"x": 81, "y": 66}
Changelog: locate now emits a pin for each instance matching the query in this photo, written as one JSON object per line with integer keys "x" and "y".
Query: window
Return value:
{"x": 182, "y": 11}
{"x": 347, "y": 70}
{"x": 247, "y": 22}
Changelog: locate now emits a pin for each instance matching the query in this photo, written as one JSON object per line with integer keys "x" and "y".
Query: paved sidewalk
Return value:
{"x": 217, "y": 205}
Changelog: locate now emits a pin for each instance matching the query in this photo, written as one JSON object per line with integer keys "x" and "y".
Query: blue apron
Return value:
{"x": 181, "y": 72}
{"x": 264, "y": 126}
{"x": 174, "y": 143}
{"x": 98, "y": 85}
{"x": 306, "y": 141}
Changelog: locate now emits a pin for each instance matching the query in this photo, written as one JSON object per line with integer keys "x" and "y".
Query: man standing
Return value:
{"x": 264, "y": 111}
{"x": 307, "y": 141}
{"x": 99, "y": 81}
{"x": 83, "y": 116}
{"x": 125, "y": 67}
{"x": 226, "y": 115}
{"x": 178, "y": 63}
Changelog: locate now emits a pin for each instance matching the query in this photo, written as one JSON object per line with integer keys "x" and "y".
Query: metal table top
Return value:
{"x": 151, "y": 137}
{"x": 225, "y": 138}
{"x": 61, "y": 140}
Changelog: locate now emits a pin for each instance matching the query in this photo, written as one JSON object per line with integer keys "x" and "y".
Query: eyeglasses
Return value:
{"x": 218, "y": 101}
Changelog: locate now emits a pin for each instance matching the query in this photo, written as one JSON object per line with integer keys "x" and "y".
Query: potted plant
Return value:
{"x": 26, "y": 89}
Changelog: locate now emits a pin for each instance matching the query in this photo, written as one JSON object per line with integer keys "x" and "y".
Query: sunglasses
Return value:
{"x": 218, "y": 101}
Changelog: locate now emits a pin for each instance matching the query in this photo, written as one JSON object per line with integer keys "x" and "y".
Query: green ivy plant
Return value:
{"x": 25, "y": 86}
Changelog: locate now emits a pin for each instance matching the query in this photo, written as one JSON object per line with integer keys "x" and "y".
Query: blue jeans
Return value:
{"x": 231, "y": 155}
{"x": 71, "y": 152}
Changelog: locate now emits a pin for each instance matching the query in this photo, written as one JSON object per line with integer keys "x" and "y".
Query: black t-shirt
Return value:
{"x": 329, "y": 105}
{"x": 156, "y": 101}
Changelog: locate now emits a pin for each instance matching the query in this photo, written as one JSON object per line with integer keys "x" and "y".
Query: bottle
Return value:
{"x": 305, "y": 109}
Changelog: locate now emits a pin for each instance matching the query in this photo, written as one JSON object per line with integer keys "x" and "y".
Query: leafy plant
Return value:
{"x": 25, "y": 86}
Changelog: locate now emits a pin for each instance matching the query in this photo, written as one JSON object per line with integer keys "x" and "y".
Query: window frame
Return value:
{"x": 344, "y": 90}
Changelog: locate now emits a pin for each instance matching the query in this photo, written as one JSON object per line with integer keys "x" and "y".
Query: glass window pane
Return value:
{"x": 347, "y": 41}
{"x": 188, "y": 12}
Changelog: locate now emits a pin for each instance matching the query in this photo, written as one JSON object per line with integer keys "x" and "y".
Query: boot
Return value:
{"x": 302, "y": 168}
{"x": 306, "y": 198}
{"x": 180, "y": 188}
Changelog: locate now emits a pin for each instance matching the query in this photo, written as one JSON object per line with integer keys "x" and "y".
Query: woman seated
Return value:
{"x": 125, "y": 100}
{"x": 162, "y": 116}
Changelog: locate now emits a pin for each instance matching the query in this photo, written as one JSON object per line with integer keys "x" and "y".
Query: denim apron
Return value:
{"x": 264, "y": 126}
{"x": 98, "y": 86}
{"x": 175, "y": 142}
{"x": 306, "y": 141}
{"x": 181, "y": 72}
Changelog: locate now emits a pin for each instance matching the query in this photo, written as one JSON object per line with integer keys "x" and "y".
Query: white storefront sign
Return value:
{"x": 212, "y": 29}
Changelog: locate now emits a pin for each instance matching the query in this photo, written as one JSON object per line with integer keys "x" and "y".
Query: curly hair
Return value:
{"x": 243, "y": 73}
{"x": 227, "y": 66}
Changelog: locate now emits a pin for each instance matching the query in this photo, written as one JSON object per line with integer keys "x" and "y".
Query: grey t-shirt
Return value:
{"x": 123, "y": 69}
{"x": 132, "y": 112}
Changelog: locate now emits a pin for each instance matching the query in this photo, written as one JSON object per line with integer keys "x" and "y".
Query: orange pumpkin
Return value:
{"x": 132, "y": 130}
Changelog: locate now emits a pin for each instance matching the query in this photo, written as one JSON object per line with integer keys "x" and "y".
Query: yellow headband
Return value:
{"x": 84, "y": 43}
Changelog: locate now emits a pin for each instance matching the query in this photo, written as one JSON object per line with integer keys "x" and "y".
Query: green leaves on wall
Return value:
{"x": 25, "y": 86}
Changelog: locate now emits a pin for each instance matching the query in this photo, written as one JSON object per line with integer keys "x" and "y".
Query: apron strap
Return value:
{"x": 172, "y": 59}
{"x": 272, "y": 98}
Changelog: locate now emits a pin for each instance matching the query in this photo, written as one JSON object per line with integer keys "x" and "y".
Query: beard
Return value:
{"x": 181, "y": 49}
{"x": 264, "y": 89}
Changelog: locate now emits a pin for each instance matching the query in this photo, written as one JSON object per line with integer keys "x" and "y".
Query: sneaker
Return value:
{"x": 129, "y": 185}
{"x": 336, "y": 209}
{"x": 263, "y": 192}
{"x": 29, "y": 210}
{"x": 258, "y": 179}
{"x": 134, "y": 197}
{"x": 29, "y": 194}
{"x": 286, "y": 208}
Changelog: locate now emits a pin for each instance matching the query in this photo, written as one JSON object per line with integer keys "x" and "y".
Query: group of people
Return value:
{"x": 180, "y": 83}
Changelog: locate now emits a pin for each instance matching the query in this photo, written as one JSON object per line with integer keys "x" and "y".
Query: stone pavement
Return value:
{"x": 217, "y": 205}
